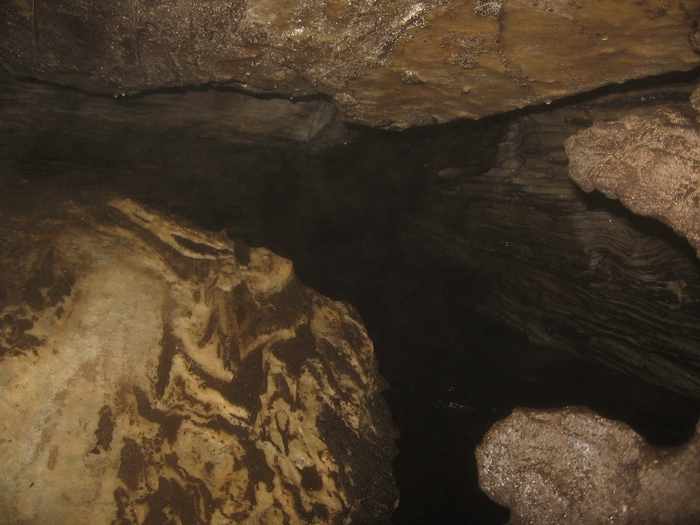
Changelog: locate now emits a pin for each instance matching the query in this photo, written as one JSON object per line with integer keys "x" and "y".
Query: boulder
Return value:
{"x": 152, "y": 372}
{"x": 572, "y": 466}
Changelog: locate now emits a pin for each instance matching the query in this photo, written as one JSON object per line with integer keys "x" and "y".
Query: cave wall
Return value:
{"x": 153, "y": 372}
{"x": 572, "y": 270}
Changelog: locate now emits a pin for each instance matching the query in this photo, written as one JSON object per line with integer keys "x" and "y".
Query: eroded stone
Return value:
{"x": 151, "y": 372}
{"x": 572, "y": 466}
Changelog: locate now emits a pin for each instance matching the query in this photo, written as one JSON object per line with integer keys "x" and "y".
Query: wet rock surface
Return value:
{"x": 152, "y": 372}
{"x": 391, "y": 65}
{"x": 573, "y": 466}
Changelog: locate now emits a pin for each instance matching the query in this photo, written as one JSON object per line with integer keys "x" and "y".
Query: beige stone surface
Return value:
{"x": 651, "y": 163}
{"x": 151, "y": 372}
{"x": 572, "y": 466}
{"x": 385, "y": 64}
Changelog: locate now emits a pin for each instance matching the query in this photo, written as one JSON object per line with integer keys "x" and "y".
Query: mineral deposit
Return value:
{"x": 650, "y": 163}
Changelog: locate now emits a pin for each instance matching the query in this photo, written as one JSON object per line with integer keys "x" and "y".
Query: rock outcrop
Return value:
{"x": 385, "y": 64}
{"x": 572, "y": 466}
{"x": 650, "y": 163}
{"x": 151, "y": 372}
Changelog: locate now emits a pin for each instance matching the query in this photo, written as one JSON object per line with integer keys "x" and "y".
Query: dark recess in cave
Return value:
{"x": 339, "y": 214}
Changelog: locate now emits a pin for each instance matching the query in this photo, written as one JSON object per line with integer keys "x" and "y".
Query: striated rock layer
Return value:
{"x": 151, "y": 372}
{"x": 572, "y": 466}
{"x": 386, "y": 64}
{"x": 573, "y": 271}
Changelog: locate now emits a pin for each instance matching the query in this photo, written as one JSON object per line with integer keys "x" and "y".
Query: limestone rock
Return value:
{"x": 652, "y": 164}
{"x": 572, "y": 466}
{"x": 151, "y": 372}
{"x": 386, "y": 64}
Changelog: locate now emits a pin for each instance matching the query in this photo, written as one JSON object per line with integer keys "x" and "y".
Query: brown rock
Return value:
{"x": 652, "y": 164}
{"x": 395, "y": 64}
{"x": 152, "y": 372}
{"x": 572, "y": 466}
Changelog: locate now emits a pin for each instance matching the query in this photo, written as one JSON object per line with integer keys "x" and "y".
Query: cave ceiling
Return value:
{"x": 390, "y": 65}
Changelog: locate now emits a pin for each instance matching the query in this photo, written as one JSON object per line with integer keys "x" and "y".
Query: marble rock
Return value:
{"x": 385, "y": 64}
{"x": 651, "y": 163}
{"x": 572, "y": 466}
{"x": 152, "y": 372}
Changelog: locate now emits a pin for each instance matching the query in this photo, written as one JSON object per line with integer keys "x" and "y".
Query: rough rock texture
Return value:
{"x": 573, "y": 271}
{"x": 153, "y": 373}
{"x": 388, "y": 64}
{"x": 572, "y": 466}
{"x": 652, "y": 164}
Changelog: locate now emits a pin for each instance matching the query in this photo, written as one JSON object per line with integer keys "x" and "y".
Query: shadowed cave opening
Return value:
{"x": 342, "y": 214}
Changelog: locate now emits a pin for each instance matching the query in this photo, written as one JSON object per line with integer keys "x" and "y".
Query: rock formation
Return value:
{"x": 572, "y": 466}
{"x": 651, "y": 163}
{"x": 151, "y": 372}
{"x": 385, "y": 64}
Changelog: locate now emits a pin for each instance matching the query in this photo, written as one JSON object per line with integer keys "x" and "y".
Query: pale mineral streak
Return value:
{"x": 651, "y": 163}
{"x": 572, "y": 466}
{"x": 152, "y": 372}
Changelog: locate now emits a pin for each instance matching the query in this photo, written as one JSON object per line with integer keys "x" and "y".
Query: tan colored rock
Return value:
{"x": 397, "y": 64}
{"x": 151, "y": 372}
{"x": 572, "y": 466}
{"x": 476, "y": 58}
{"x": 652, "y": 164}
